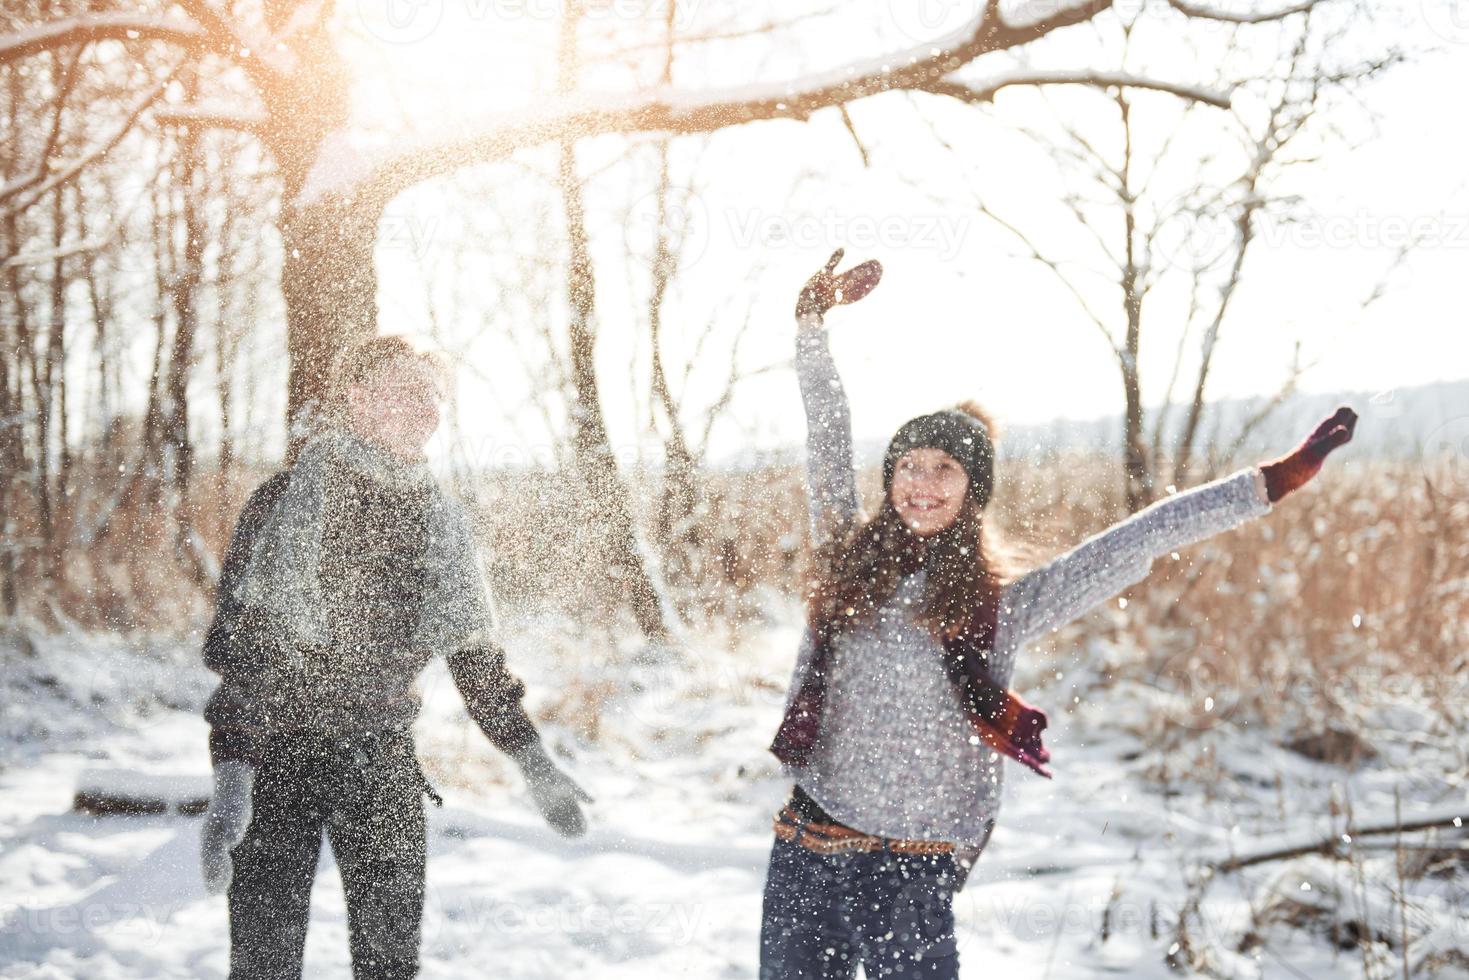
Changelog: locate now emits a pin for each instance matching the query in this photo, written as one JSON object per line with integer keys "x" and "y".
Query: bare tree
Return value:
{"x": 277, "y": 72}
{"x": 295, "y": 99}
{"x": 84, "y": 166}
{"x": 593, "y": 450}
{"x": 1140, "y": 227}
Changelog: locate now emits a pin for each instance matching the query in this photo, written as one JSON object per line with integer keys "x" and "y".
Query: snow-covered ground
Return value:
{"x": 1086, "y": 875}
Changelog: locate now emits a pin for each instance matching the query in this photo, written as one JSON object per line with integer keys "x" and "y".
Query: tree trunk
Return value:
{"x": 1137, "y": 471}
{"x": 56, "y": 364}
{"x": 184, "y": 292}
{"x": 330, "y": 288}
{"x": 610, "y": 499}
{"x": 21, "y": 343}
{"x": 678, "y": 502}
{"x": 327, "y": 276}
{"x": 10, "y": 464}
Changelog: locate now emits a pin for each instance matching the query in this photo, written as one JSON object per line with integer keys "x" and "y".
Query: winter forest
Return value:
{"x": 647, "y": 488}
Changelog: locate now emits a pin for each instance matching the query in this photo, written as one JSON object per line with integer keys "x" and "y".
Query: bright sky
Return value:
{"x": 957, "y": 314}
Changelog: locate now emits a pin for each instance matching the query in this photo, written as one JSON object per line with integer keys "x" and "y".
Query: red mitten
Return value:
{"x": 825, "y": 290}
{"x": 1292, "y": 470}
{"x": 1014, "y": 728}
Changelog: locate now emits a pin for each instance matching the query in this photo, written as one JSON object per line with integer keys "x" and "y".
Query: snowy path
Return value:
{"x": 669, "y": 881}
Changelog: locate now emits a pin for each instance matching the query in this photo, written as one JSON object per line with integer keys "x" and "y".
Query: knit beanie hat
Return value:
{"x": 957, "y": 433}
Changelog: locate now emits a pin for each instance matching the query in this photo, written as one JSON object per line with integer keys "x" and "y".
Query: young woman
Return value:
{"x": 899, "y": 709}
{"x": 346, "y": 573}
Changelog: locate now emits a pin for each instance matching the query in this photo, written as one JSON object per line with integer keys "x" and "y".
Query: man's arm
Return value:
{"x": 493, "y": 696}
{"x": 237, "y": 641}
{"x": 239, "y": 646}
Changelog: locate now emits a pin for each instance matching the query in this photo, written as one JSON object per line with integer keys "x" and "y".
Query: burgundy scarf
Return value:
{"x": 998, "y": 715}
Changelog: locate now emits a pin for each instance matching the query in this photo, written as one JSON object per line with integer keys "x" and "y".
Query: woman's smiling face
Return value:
{"x": 928, "y": 489}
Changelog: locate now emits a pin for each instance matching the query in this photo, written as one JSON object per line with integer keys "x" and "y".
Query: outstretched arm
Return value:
{"x": 1123, "y": 554}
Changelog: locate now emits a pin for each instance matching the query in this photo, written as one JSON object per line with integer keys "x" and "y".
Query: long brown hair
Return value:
{"x": 968, "y": 564}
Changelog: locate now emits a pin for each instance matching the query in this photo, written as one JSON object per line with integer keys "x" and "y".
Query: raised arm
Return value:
{"x": 831, "y": 484}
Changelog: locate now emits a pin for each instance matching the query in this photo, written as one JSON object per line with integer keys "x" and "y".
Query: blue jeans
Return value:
{"x": 826, "y": 913}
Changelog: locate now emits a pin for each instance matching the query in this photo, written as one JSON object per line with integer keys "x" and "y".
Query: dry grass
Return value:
{"x": 117, "y": 562}
{"x": 1359, "y": 580}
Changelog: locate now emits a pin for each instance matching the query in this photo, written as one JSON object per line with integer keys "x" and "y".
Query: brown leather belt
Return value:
{"x": 831, "y": 838}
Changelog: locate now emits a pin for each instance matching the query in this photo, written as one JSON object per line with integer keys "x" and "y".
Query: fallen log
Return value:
{"x": 1294, "y": 845}
{"x": 130, "y": 792}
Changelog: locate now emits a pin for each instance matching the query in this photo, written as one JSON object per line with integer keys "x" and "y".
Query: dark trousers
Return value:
{"x": 367, "y": 796}
{"x": 826, "y": 913}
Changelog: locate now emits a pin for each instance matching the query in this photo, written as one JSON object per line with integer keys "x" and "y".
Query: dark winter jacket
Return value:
{"x": 371, "y": 574}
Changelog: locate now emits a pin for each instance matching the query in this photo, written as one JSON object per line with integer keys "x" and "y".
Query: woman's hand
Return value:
{"x": 225, "y": 823}
{"x": 1292, "y": 470}
{"x": 827, "y": 289}
{"x": 557, "y": 796}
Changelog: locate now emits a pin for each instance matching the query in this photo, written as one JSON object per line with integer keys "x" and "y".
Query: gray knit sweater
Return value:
{"x": 896, "y": 755}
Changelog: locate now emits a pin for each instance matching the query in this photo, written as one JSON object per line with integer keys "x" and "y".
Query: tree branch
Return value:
{"x": 53, "y": 135}
{"x": 96, "y": 151}
{"x": 669, "y": 111}
{"x": 238, "y": 118}
{"x": 260, "y": 56}
{"x": 978, "y": 92}
{"x": 101, "y": 27}
{"x": 1205, "y": 12}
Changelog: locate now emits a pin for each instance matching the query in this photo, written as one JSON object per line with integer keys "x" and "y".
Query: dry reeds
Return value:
{"x": 1359, "y": 580}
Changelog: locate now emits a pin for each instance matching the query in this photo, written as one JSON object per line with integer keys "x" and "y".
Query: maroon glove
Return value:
{"x": 1015, "y": 730}
{"x": 1028, "y": 748}
{"x": 1292, "y": 470}
{"x": 825, "y": 290}
{"x": 1001, "y": 717}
